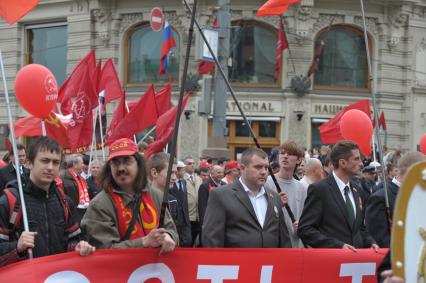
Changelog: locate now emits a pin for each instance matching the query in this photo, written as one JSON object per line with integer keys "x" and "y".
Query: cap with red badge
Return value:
{"x": 205, "y": 164}
{"x": 122, "y": 147}
{"x": 232, "y": 165}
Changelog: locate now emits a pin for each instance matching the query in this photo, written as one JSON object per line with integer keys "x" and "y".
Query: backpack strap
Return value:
{"x": 15, "y": 211}
{"x": 62, "y": 198}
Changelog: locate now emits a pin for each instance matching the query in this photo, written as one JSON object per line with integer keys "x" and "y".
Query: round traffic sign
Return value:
{"x": 157, "y": 19}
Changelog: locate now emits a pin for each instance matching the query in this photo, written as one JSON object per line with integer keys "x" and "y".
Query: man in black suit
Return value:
{"x": 245, "y": 214}
{"x": 332, "y": 216}
{"x": 179, "y": 191}
{"x": 8, "y": 173}
{"x": 376, "y": 218}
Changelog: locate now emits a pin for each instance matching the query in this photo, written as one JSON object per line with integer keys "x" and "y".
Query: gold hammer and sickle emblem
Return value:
{"x": 53, "y": 120}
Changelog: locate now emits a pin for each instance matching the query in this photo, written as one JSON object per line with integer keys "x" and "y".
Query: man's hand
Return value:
{"x": 284, "y": 198}
{"x": 295, "y": 226}
{"x": 85, "y": 248}
{"x": 375, "y": 247}
{"x": 155, "y": 238}
{"x": 388, "y": 277}
{"x": 26, "y": 241}
{"x": 349, "y": 247}
{"x": 168, "y": 245}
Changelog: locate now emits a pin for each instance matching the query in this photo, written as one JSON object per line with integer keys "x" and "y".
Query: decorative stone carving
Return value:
{"x": 304, "y": 13}
{"x": 103, "y": 17}
{"x": 324, "y": 21}
{"x": 396, "y": 22}
{"x": 128, "y": 20}
{"x": 176, "y": 20}
{"x": 79, "y": 6}
{"x": 422, "y": 45}
{"x": 371, "y": 23}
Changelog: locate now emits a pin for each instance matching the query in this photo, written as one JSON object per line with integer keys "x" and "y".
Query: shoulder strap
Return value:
{"x": 134, "y": 217}
{"x": 64, "y": 202}
{"x": 15, "y": 211}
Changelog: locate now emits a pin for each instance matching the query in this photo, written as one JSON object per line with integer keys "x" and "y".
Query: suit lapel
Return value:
{"x": 242, "y": 196}
{"x": 357, "y": 199}
{"x": 270, "y": 209}
{"x": 335, "y": 191}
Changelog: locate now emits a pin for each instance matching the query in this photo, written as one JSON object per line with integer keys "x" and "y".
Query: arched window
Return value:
{"x": 142, "y": 56}
{"x": 253, "y": 50}
{"x": 343, "y": 61}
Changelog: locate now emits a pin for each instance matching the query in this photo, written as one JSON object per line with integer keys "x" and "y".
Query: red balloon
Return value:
{"x": 356, "y": 126}
{"x": 423, "y": 144}
{"x": 36, "y": 90}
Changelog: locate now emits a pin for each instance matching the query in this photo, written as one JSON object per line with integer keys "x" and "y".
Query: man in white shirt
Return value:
{"x": 245, "y": 214}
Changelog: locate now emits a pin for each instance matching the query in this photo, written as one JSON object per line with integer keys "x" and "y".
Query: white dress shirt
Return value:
{"x": 258, "y": 201}
{"x": 396, "y": 182}
{"x": 342, "y": 186}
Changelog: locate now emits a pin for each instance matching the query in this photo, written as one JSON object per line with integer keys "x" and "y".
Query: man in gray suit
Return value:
{"x": 244, "y": 214}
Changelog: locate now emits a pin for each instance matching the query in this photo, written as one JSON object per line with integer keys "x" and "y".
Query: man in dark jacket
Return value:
{"x": 8, "y": 173}
{"x": 49, "y": 232}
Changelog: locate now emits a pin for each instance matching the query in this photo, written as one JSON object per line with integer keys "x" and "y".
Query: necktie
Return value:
{"x": 180, "y": 185}
{"x": 191, "y": 178}
{"x": 349, "y": 206}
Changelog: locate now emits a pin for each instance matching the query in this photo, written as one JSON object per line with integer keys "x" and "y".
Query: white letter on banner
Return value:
{"x": 266, "y": 274}
{"x": 151, "y": 271}
{"x": 218, "y": 273}
{"x": 67, "y": 276}
{"x": 357, "y": 270}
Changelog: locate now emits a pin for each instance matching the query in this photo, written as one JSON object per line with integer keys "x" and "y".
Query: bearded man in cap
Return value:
{"x": 125, "y": 214}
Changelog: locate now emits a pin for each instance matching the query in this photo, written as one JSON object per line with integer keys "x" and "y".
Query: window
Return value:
{"x": 343, "y": 61}
{"x": 253, "y": 51}
{"x": 239, "y": 138}
{"x": 47, "y": 45}
{"x": 143, "y": 53}
{"x": 4, "y": 135}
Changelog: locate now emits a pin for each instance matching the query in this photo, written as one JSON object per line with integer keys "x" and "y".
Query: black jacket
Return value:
{"x": 8, "y": 174}
{"x": 182, "y": 222}
{"x": 203, "y": 196}
{"x": 46, "y": 217}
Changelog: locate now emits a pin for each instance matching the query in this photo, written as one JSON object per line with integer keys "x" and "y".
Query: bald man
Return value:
{"x": 313, "y": 172}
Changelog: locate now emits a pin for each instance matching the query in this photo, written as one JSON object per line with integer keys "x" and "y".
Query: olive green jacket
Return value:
{"x": 100, "y": 223}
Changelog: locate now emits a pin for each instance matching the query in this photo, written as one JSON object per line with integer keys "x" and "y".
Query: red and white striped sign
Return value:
{"x": 157, "y": 19}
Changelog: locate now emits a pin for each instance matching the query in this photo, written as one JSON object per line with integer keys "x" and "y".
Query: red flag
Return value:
{"x": 275, "y": 7}
{"x": 164, "y": 129}
{"x": 80, "y": 129}
{"x": 282, "y": 44}
{"x": 13, "y": 11}
{"x": 119, "y": 114}
{"x": 207, "y": 67}
{"x": 143, "y": 115}
{"x": 382, "y": 121}
{"x": 319, "y": 48}
{"x": 330, "y": 131}
{"x": 70, "y": 87}
{"x": 162, "y": 99}
{"x": 109, "y": 83}
{"x": 31, "y": 126}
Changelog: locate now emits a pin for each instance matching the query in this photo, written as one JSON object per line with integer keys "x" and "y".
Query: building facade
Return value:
{"x": 59, "y": 33}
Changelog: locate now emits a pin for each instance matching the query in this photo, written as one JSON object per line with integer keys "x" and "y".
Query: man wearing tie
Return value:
{"x": 8, "y": 173}
{"x": 182, "y": 222}
{"x": 332, "y": 216}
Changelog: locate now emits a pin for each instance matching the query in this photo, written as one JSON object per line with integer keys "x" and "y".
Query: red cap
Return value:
{"x": 205, "y": 164}
{"x": 2, "y": 163}
{"x": 122, "y": 147}
{"x": 232, "y": 165}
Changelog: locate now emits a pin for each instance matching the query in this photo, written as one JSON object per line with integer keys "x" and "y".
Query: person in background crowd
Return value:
{"x": 245, "y": 214}
{"x": 300, "y": 169}
{"x": 290, "y": 155}
{"x": 193, "y": 183}
{"x": 180, "y": 192}
{"x": 126, "y": 194}
{"x": 232, "y": 172}
{"x": 378, "y": 168}
{"x": 157, "y": 173}
{"x": 215, "y": 180}
{"x": 204, "y": 175}
{"x": 332, "y": 216}
{"x": 375, "y": 214}
{"x": 327, "y": 165}
{"x": 75, "y": 186}
{"x": 368, "y": 183}
{"x": 313, "y": 172}
{"x": 142, "y": 147}
{"x": 222, "y": 162}
{"x": 51, "y": 231}
{"x": 8, "y": 173}
{"x": 85, "y": 173}
{"x": 93, "y": 181}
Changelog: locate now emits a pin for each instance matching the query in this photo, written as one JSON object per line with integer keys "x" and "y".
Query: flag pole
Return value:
{"x": 15, "y": 153}
{"x": 173, "y": 142}
{"x": 376, "y": 116}
{"x": 147, "y": 134}
{"x": 43, "y": 127}
{"x": 100, "y": 128}
{"x": 253, "y": 135}
{"x": 91, "y": 145}
{"x": 128, "y": 110}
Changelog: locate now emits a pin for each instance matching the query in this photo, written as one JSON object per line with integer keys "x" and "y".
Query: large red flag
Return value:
{"x": 143, "y": 115}
{"x": 109, "y": 83}
{"x": 119, "y": 114}
{"x": 13, "y": 11}
{"x": 80, "y": 129}
{"x": 282, "y": 44}
{"x": 162, "y": 99}
{"x": 55, "y": 128}
{"x": 164, "y": 129}
{"x": 275, "y": 7}
{"x": 330, "y": 131}
{"x": 382, "y": 121}
{"x": 70, "y": 87}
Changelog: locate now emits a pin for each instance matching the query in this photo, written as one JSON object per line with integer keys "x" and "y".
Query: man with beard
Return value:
{"x": 125, "y": 193}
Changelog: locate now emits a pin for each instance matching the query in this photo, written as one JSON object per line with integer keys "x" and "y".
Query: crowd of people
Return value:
{"x": 335, "y": 196}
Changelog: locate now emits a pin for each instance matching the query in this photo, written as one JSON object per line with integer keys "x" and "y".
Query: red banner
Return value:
{"x": 201, "y": 265}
